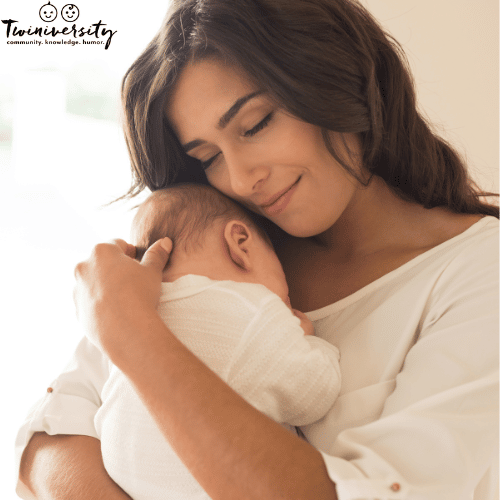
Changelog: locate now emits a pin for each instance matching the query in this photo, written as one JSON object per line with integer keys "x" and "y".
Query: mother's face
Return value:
{"x": 258, "y": 154}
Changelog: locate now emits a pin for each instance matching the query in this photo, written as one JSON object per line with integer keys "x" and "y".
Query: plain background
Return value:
{"x": 62, "y": 156}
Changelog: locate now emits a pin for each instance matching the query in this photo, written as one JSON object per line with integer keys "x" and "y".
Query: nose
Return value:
{"x": 246, "y": 173}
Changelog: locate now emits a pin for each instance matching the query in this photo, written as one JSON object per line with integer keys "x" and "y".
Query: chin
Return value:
{"x": 304, "y": 230}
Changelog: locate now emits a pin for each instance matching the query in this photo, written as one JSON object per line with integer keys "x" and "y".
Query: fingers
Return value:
{"x": 102, "y": 250}
{"x": 125, "y": 247}
{"x": 157, "y": 255}
{"x": 119, "y": 242}
{"x": 299, "y": 314}
{"x": 305, "y": 322}
{"x": 131, "y": 251}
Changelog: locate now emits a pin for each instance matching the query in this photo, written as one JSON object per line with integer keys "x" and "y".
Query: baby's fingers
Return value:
{"x": 300, "y": 315}
{"x": 305, "y": 322}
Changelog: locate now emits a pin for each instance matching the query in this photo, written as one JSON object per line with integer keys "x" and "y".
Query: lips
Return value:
{"x": 279, "y": 201}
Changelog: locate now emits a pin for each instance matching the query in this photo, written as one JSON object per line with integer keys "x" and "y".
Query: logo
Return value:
{"x": 70, "y": 12}
{"x": 96, "y": 34}
{"x": 48, "y": 13}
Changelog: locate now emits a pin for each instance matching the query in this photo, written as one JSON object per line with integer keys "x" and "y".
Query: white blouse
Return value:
{"x": 417, "y": 416}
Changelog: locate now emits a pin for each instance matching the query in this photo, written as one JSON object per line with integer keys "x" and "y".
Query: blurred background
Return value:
{"x": 63, "y": 157}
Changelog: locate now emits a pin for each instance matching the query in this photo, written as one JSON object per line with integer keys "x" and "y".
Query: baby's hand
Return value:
{"x": 305, "y": 322}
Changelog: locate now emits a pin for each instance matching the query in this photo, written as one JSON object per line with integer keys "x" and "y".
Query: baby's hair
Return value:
{"x": 184, "y": 212}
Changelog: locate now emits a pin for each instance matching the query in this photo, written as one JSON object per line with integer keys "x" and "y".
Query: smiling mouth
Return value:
{"x": 278, "y": 202}
{"x": 277, "y": 197}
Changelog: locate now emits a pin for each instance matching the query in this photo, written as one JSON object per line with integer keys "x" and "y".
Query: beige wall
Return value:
{"x": 452, "y": 46}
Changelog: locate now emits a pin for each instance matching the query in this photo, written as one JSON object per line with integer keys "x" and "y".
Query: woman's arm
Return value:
{"x": 66, "y": 410}
{"x": 447, "y": 390}
{"x": 62, "y": 467}
{"x": 231, "y": 449}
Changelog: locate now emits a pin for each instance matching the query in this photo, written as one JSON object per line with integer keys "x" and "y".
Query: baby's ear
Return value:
{"x": 239, "y": 241}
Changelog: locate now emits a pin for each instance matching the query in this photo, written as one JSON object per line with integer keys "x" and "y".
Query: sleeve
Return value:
{"x": 288, "y": 376}
{"x": 71, "y": 401}
{"x": 437, "y": 436}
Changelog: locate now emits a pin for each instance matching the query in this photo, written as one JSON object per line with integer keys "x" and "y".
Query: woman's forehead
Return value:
{"x": 205, "y": 88}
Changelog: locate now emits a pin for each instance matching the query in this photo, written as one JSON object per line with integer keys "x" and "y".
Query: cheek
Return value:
{"x": 319, "y": 203}
{"x": 218, "y": 178}
{"x": 291, "y": 143}
{"x": 279, "y": 277}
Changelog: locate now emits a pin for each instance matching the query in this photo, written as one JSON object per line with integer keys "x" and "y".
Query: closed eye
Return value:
{"x": 263, "y": 123}
{"x": 249, "y": 133}
{"x": 206, "y": 164}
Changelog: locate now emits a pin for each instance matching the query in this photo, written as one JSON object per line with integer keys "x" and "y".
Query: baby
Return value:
{"x": 224, "y": 295}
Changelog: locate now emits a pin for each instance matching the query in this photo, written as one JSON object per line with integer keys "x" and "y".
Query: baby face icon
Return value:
{"x": 70, "y": 12}
{"x": 48, "y": 13}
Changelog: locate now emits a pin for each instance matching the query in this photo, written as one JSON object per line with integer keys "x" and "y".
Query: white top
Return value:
{"x": 417, "y": 417}
{"x": 247, "y": 336}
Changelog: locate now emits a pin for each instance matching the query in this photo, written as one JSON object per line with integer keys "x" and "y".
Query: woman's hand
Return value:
{"x": 113, "y": 292}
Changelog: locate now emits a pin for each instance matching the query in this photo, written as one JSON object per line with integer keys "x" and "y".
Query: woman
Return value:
{"x": 304, "y": 112}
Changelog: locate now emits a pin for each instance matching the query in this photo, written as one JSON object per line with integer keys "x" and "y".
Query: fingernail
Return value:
{"x": 166, "y": 244}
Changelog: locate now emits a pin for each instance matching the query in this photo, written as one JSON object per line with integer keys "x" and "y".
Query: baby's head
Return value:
{"x": 212, "y": 236}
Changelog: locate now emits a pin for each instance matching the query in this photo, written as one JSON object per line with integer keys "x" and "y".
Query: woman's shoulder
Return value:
{"x": 479, "y": 237}
{"x": 476, "y": 248}
{"x": 448, "y": 226}
{"x": 471, "y": 257}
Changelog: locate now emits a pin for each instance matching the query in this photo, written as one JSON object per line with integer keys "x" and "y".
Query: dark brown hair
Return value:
{"x": 327, "y": 62}
{"x": 184, "y": 213}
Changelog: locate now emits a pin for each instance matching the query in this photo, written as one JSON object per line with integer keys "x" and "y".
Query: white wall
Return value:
{"x": 62, "y": 169}
{"x": 452, "y": 46}
{"x": 50, "y": 218}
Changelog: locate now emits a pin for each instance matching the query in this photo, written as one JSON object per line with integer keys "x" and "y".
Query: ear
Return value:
{"x": 239, "y": 241}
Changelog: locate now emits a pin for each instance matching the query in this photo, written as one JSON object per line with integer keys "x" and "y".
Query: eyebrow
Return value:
{"x": 225, "y": 119}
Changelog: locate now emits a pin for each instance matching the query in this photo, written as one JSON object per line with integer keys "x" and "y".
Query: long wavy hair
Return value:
{"x": 327, "y": 62}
